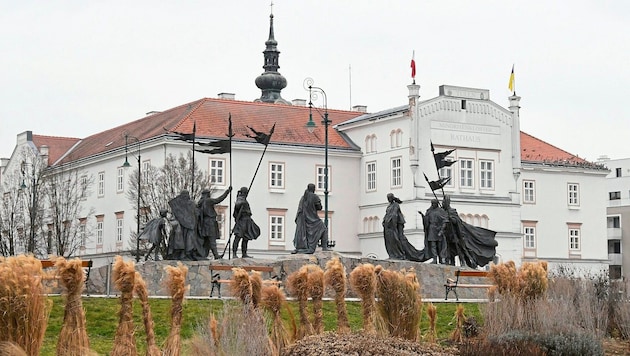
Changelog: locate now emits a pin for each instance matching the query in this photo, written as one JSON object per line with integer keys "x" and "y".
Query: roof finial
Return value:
{"x": 271, "y": 8}
{"x": 271, "y": 82}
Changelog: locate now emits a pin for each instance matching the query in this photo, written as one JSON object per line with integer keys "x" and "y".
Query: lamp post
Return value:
{"x": 31, "y": 212}
{"x": 313, "y": 92}
{"x": 126, "y": 165}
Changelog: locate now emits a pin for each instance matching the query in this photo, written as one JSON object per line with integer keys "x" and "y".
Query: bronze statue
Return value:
{"x": 207, "y": 221}
{"x": 184, "y": 242}
{"x": 434, "y": 221}
{"x": 309, "y": 229}
{"x": 245, "y": 229}
{"x": 155, "y": 233}
{"x": 473, "y": 245}
{"x": 393, "y": 227}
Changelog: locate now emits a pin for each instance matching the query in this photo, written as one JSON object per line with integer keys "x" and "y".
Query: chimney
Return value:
{"x": 43, "y": 152}
{"x": 298, "y": 102}
{"x": 359, "y": 108}
{"x": 227, "y": 96}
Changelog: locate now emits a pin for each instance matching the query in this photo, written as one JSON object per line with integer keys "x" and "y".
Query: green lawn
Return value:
{"x": 102, "y": 319}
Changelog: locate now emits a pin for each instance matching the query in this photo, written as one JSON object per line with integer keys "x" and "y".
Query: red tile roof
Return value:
{"x": 537, "y": 150}
{"x": 57, "y": 146}
{"x": 211, "y": 118}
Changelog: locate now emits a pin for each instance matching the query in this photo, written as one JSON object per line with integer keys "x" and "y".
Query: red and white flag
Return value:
{"x": 413, "y": 66}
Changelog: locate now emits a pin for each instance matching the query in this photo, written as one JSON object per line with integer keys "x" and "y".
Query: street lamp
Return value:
{"x": 310, "y": 126}
{"x": 31, "y": 212}
{"x": 126, "y": 165}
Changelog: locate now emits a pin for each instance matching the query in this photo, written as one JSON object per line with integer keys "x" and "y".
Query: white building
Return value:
{"x": 503, "y": 179}
{"x": 618, "y": 216}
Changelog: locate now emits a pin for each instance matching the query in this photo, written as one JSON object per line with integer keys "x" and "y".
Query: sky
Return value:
{"x": 74, "y": 68}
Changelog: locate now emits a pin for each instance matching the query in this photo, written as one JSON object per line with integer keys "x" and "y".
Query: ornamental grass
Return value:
{"x": 124, "y": 279}
{"x": 335, "y": 278}
{"x": 399, "y": 304}
{"x": 24, "y": 309}
{"x": 147, "y": 318}
{"x": 363, "y": 282}
{"x": 73, "y": 338}
{"x": 297, "y": 285}
{"x": 176, "y": 285}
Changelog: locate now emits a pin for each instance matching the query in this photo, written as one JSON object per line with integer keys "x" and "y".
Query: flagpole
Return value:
{"x": 192, "y": 184}
{"x": 230, "y": 135}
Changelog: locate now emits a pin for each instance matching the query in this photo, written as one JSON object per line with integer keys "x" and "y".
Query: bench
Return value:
{"x": 84, "y": 264}
{"x": 217, "y": 281}
{"x": 453, "y": 284}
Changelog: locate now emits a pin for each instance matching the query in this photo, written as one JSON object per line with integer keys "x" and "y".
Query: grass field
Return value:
{"x": 102, "y": 320}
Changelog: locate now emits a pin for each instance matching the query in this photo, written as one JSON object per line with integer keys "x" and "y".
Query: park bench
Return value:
{"x": 84, "y": 264}
{"x": 453, "y": 284}
{"x": 217, "y": 281}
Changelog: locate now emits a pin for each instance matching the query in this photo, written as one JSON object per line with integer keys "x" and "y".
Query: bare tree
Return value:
{"x": 12, "y": 218}
{"x": 159, "y": 185}
{"x": 65, "y": 190}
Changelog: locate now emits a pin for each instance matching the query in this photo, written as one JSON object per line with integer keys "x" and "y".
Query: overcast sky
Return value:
{"x": 74, "y": 68}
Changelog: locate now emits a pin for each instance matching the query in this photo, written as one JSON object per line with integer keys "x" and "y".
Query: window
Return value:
{"x": 486, "y": 169}
{"x": 613, "y": 222}
{"x": 529, "y": 192}
{"x": 614, "y": 272}
{"x": 84, "y": 186}
{"x": 276, "y": 228}
{"x": 101, "y": 184}
{"x": 217, "y": 171}
{"x": 370, "y": 171}
{"x": 82, "y": 232}
{"x": 120, "y": 179}
{"x": 221, "y": 214}
{"x": 120, "y": 224}
{"x": 99, "y": 232}
{"x": 529, "y": 233}
{"x": 321, "y": 178}
{"x": 617, "y": 172}
{"x": 446, "y": 172}
{"x": 574, "y": 194}
{"x": 396, "y": 172}
{"x": 146, "y": 168}
{"x": 370, "y": 143}
{"x": 466, "y": 173}
{"x": 276, "y": 175}
{"x": 614, "y": 246}
{"x": 395, "y": 138}
{"x": 614, "y": 195}
{"x": 574, "y": 239}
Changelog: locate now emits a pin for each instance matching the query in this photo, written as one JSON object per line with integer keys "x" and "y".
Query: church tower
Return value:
{"x": 271, "y": 82}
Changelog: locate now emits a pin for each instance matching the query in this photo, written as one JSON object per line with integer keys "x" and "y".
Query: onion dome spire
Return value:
{"x": 271, "y": 82}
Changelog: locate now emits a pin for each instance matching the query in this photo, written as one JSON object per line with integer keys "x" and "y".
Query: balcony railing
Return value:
{"x": 614, "y": 233}
{"x": 615, "y": 258}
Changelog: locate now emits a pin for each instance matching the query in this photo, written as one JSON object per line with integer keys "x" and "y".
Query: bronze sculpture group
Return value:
{"x": 193, "y": 229}
{"x": 446, "y": 236}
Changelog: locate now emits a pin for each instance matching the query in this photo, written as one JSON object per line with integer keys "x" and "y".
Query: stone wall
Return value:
{"x": 431, "y": 276}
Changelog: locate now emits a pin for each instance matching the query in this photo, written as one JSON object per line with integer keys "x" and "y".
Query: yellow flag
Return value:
{"x": 511, "y": 83}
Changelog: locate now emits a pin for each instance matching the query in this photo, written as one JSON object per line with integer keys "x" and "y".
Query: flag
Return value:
{"x": 184, "y": 136}
{"x": 511, "y": 83}
{"x": 261, "y": 137}
{"x": 440, "y": 159}
{"x": 437, "y": 184}
{"x": 413, "y": 66}
{"x": 221, "y": 146}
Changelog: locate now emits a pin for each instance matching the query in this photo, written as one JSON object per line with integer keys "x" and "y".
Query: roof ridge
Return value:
{"x": 60, "y": 137}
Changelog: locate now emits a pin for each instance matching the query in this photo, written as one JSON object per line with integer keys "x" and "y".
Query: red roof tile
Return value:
{"x": 537, "y": 150}
{"x": 57, "y": 146}
{"x": 211, "y": 118}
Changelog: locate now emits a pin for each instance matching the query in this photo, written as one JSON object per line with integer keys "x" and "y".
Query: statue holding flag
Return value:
{"x": 474, "y": 246}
